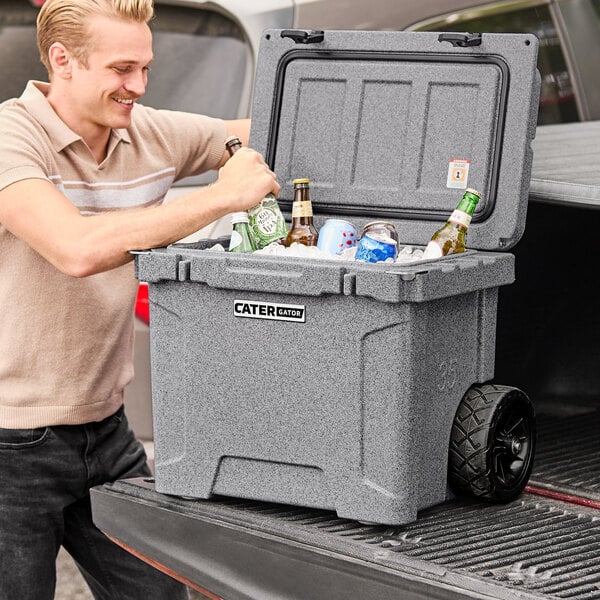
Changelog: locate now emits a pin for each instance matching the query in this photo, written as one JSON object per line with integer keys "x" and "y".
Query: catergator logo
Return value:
{"x": 269, "y": 310}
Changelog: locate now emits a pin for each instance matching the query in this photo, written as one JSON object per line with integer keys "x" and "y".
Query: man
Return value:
{"x": 83, "y": 171}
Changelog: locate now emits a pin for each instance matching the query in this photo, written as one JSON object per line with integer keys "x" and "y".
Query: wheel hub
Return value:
{"x": 516, "y": 446}
{"x": 512, "y": 444}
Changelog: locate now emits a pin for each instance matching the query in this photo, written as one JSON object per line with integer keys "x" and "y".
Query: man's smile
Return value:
{"x": 127, "y": 101}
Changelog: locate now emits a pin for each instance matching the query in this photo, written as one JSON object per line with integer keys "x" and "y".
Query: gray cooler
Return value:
{"x": 334, "y": 384}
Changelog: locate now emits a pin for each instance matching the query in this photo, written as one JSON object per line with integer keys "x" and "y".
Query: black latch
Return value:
{"x": 461, "y": 39}
{"x": 303, "y": 36}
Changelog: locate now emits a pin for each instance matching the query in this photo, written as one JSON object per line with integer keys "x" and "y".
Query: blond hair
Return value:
{"x": 65, "y": 21}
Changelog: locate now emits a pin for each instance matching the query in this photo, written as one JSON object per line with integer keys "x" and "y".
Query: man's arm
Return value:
{"x": 36, "y": 212}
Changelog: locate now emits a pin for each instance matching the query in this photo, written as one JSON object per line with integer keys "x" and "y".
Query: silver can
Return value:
{"x": 376, "y": 247}
{"x": 381, "y": 229}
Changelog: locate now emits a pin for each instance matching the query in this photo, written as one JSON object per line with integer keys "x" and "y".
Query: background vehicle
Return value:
{"x": 547, "y": 335}
{"x": 192, "y": 38}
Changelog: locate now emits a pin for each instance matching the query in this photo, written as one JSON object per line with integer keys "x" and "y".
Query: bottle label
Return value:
{"x": 302, "y": 209}
{"x": 460, "y": 217}
{"x": 433, "y": 250}
{"x": 267, "y": 222}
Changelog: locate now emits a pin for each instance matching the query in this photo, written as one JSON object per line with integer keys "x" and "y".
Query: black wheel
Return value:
{"x": 492, "y": 443}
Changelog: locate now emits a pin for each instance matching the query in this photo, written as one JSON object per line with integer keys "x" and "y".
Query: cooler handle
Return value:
{"x": 248, "y": 273}
{"x": 301, "y": 36}
{"x": 461, "y": 39}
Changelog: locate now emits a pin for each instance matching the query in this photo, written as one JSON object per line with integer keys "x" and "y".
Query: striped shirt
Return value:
{"x": 66, "y": 344}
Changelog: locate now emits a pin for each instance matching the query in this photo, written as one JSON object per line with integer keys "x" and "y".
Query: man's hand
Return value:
{"x": 246, "y": 179}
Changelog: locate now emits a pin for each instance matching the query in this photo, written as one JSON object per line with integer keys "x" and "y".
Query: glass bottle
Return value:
{"x": 451, "y": 238}
{"x": 241, "y": 236}
{"x": 266, "y": 220}
{"x": 303, "y": 231}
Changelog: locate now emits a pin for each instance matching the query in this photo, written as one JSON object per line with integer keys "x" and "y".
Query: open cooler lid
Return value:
{"x": 395, "y": 125}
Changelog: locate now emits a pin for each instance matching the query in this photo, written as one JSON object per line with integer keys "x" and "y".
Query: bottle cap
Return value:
{"x": 472, "y": 191}
{"x": 300, "y": 181}
{"x": 232, "y": 140}
{"x": 239, "y": 217}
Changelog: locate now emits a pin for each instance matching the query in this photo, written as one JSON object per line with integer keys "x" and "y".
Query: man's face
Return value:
{"x": 103, "y": 93}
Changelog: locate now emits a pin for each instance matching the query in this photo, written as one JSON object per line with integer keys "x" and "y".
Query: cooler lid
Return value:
{"x": 396, "y": 125}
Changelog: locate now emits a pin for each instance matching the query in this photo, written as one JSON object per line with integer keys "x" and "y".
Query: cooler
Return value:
{"x": 335, "y": 384}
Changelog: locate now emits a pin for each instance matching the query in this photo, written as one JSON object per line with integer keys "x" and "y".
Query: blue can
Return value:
{"x": 336, "y": 235}
{"x": 376, "y": 248}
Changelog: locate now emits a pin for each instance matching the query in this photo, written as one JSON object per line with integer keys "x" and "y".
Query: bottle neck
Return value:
{"x": 233, "y": 145}
{"x": 239, "y": 217}
{"x": 302, "y": 206}
{"x": 301, "y": 193}
{"x": 468, "y": 203}
{"x": 463, "y": 213}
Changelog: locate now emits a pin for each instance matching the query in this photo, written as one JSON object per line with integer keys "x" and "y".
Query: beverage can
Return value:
{"x": 376, "y": 247}
{"x": 382, "y": 228}
{"x": 336, "y": 235}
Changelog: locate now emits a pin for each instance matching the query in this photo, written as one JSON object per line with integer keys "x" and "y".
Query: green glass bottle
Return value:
{"x": 241, "y": 236}
{"x": 451, "y": 238}
{"x": 266, "y": 220}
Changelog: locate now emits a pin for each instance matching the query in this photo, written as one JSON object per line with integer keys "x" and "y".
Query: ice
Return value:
{"x": 301, "y": 251}
{"x": 409, "y": 254}
{"x": 217, "y": 248}
{"x": 348, "y": 253}
{"x": 406, "y": 254}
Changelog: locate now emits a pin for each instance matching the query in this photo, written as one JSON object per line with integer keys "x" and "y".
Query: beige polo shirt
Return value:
{"x": 66, "y": 344}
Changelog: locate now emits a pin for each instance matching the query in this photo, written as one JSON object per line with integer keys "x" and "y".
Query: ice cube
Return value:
{"x": 274, "y": 249}
{"x": 348, "y": 253}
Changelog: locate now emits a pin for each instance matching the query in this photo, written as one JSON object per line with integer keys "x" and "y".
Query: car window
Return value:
{"x": 191, "y": 48}
{"x": 202, "y": 64}
{"x": 20, "y": 57}
{"x": 557, "y": 100}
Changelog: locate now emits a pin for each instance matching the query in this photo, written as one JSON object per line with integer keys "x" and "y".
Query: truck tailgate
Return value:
{"x": 531, "y": 548}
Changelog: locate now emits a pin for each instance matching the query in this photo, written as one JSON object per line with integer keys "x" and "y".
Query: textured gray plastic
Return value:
{"x": 374, "y": 119}
{"x": 332, "y": 384}
{"x": 349, "y": 408}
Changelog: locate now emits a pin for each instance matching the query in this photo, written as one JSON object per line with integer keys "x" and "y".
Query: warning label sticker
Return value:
{"x": 458, "y": 173}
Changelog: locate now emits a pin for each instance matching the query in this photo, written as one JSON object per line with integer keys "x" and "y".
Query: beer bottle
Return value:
{"x": 303, "y": 231}
{"x": 266, "y": 220}
{"x": 241, "y": 236}
{"x": 451, "y": 238}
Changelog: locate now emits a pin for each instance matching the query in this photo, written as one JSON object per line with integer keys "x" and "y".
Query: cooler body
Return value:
{"x": 334, "y": 384}
{"x": 340, "y": 395}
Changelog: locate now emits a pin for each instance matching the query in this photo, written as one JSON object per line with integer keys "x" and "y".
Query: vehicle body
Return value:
{"x": 569, "y": 32}
{"x": 532, "y": 548}
{"x": 547, "y": 323}
{"x": 192, "y": 37}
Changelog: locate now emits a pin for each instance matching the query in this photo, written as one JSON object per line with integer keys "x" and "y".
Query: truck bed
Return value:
{"x": 531, "y": 548}
{"x": 546, "y": 544}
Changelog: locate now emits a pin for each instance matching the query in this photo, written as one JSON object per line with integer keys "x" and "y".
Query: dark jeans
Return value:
{"x": 45, "y": 477}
